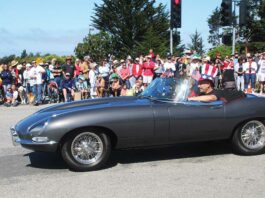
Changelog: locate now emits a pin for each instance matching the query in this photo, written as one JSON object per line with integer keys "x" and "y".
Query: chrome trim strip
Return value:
{"x": 29, "y": 142}
{"x": 14, "y": 136}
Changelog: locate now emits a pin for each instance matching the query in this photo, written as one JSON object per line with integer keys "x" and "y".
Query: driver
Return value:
{"x": 208, "y": 94}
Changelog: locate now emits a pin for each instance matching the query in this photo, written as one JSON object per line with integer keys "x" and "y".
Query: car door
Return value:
{"x": 196, "y": 121}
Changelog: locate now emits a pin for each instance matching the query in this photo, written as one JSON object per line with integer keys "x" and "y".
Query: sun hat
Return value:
{"x": 196, "y": 57}
{"x": 115, "y": 62}
{"x": 68, "y": 58}
{"x": 93, "y": 65}
{"x": 13, "y": 63}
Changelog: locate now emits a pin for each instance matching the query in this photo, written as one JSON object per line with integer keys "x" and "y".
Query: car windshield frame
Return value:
{"x": 168, "y": 90}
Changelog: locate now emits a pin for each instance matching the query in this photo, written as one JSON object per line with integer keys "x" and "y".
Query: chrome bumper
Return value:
{"x": 14, "y": 136}
{"x": 16, "y": 140}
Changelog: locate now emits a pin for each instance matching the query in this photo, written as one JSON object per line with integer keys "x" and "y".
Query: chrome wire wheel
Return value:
{"x": 87, "y": 148}
{"x": 253, "y": 135}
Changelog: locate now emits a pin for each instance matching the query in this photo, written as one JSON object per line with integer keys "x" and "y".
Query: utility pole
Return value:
{"x": 171, "y": 31}
{"x": 171, "y": 41}
{"x": 175, "y": 22}
{"x": 234, "y": 26}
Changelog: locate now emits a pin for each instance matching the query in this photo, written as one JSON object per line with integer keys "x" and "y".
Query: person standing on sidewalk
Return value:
{"x": 250, "y": 70}
{"x": 36, "y": 77}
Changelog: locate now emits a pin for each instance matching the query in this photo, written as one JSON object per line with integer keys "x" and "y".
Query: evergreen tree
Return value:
{"x": 196, "y": 43}
{"x": 24, "y": 54}
{"x": 214, "y": 23}
{"x": 132, "y": 23}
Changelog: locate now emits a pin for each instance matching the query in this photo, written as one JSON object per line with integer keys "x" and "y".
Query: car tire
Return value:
{"x": 249, "y": 138}
{"x": 79, "y": 147}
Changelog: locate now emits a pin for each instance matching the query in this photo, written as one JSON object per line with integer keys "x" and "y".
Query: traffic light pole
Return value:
{"x": 171, "y": 41}
{"x": 234, "y": 26}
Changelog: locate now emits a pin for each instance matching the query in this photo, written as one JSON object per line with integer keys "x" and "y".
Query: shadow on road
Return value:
{"x": 46, "y": 160}
{"x": 187, "y": 151}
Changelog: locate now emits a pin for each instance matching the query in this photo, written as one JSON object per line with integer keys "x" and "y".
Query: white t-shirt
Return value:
{"x": 193, "y": 67}
{"x": 170, "y": 65}
{"x": 104, "y": 70}
{"x": 261, "y": 73}
{"x": 51, "y": 67}
{"x": 92, "y": 78}
{"x": 253, "y": 69}
{"x": 262, "y": 67}
{"x": 15, "y": 95}
{"x": 36, "y": 75}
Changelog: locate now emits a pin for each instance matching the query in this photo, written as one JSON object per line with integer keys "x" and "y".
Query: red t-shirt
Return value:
{"x": 77, "y": 70}
{"x": 137, "y": 70}
{"x": 124, "y": 72}
{"x": 148, "y": 68}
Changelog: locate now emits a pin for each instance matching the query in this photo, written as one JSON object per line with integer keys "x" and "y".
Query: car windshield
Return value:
{"x": 168, "y": 89}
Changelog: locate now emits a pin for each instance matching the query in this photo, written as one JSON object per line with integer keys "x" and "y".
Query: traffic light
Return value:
{"x": 226, "y": 13}
{"x": 227, "y": 39}
{"x": 243, "y": 13}
{"x": 175, "y": 14}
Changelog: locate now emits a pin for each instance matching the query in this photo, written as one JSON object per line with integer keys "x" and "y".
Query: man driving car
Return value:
{"x": 209, "y": 94}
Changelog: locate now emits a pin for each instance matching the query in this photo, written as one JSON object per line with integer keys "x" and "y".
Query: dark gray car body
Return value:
{"x": 135, "y": 122}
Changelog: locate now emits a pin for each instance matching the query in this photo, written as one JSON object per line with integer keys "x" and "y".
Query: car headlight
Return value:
{"x": 38, "y": 128}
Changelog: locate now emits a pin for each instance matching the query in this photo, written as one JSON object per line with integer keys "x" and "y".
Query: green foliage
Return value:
{"x": 97, "y": 46}
{"x": 253, "y": 47}
{"x": 132, "y": 23}
{"x": 24, "y": 54}
{"x": 151, "y": 41}
{"x": 214, "y": 23}
{"x": 196, "y": 43}
{"x": 221, "y": 49}
{"x": 254, "y": 29}
{"x": 30, "y": 57}
{"x": 7, "y": 59}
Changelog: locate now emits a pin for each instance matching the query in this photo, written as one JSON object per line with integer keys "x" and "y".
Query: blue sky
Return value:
{"x": 56, "y": 26}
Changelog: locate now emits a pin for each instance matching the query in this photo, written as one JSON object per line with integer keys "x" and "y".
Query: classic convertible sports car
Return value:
{"x": 85, "y": 132}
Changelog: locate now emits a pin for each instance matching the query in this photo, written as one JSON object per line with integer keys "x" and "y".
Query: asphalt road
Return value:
{"x": 186, "y": 170}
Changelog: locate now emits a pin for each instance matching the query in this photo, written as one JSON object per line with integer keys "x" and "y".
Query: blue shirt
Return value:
{"x": 68, "y": 83}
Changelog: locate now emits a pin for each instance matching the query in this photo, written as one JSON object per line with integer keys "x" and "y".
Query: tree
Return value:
{"x": 98, "y": 46}
{"x": 196, "y": 43}
{"x": 254, "y": 29}
{"x": 214, "y": 23}
{"x": 131, "y": 23}
{"x": 223, "y": 50}
{"x": 151, "y": 40}
{"x": 7, "y": 59}
{"x": 24, "y": 54}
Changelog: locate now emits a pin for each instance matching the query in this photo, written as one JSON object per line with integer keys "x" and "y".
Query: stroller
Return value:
{"x": 54, "y": 92}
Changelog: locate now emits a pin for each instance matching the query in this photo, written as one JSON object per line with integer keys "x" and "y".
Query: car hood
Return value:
{"x": 95, "y": 104}
{"x": 84, "y": 105}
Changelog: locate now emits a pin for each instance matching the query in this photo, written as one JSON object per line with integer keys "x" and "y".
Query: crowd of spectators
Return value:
{"x": 37, "y": 83}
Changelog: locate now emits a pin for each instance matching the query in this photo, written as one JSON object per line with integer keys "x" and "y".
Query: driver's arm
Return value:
{"x": 206, "y": 98}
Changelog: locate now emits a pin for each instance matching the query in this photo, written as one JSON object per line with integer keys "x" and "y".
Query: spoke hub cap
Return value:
{"x": 253, "y": 135}
{"x": 87, "y": 148}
